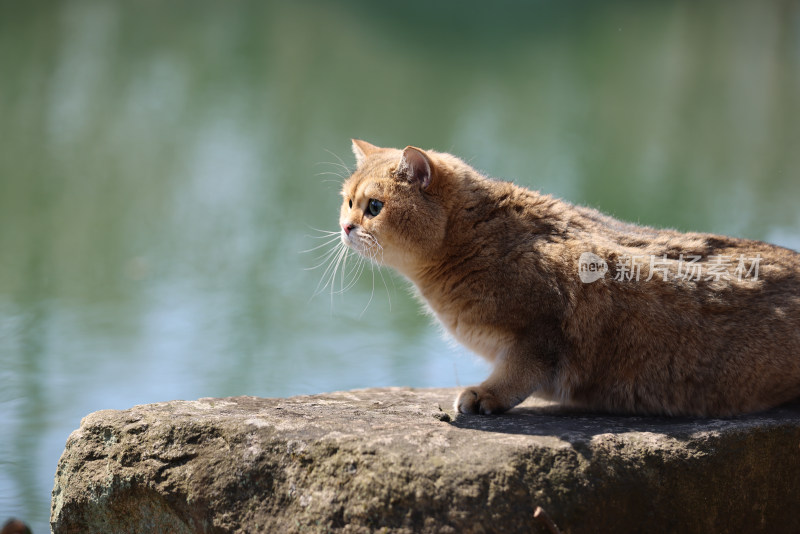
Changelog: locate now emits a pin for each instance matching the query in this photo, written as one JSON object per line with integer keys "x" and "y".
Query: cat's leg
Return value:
{"x": 513, "y": 379}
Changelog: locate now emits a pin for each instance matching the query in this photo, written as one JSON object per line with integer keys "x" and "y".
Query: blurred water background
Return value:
{"x": 163, "y": 165}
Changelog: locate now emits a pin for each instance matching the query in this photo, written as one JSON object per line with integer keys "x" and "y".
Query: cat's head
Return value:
{"x": 394, "y": 210}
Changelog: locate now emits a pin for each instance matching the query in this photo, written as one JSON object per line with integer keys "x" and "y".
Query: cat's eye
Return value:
{"x": 374, "y": 207}
{"x": 350, "y": 201}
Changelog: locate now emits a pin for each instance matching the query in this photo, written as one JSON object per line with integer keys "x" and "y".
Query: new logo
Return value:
{"x": 591, "y": 267}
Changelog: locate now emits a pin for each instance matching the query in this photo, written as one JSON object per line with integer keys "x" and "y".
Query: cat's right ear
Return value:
{"x": 415, "y": 166}
{"x": 362, "y": 149}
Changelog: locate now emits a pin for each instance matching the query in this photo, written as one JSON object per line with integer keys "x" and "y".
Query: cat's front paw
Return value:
{"x": 479, "y": 400}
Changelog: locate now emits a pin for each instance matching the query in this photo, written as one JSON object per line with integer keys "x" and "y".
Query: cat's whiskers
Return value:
{"x": 347, "y": 278}
{"x": 373, "y": 257}
{"x": 330, "y": 240}
{"x": 325, "y": 258}
{"x": 357, "y": 271}
{"x": 334, "y": 266}
{"x": 380, "y": 272}
{"x": 321, "y": 230}
{"x": 330, "y": 271}
{"x": 331, "y": 173}
{"x": 374, "y": 253}
{"x": 347, "y": 170}
{"x": 339, "y": 177}
{"x": 342, "y": 271}
{"x": 356, "y": 274}
{"x": 335, "y": 258}
{"x": 372, "y": 293}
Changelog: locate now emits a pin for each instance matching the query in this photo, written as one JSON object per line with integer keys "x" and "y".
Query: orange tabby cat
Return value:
{"x": 576, "y": 306}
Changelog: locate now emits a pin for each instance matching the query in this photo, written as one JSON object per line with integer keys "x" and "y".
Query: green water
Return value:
{"x": 163, "y": 167}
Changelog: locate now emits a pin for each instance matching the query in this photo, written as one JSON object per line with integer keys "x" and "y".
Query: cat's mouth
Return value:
{"x": 351, "y": 236}
{"x": 364, "y": 243}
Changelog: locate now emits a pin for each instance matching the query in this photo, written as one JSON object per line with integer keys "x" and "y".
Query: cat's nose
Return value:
{"x": 347, "y": 227}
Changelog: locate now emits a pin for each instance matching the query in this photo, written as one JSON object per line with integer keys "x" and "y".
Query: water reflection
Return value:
{"x": 162, "y": 167}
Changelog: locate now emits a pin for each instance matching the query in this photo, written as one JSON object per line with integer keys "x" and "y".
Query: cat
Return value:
{"x": 573, "y": 305}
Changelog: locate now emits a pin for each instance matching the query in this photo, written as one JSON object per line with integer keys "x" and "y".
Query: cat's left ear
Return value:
{"x": 415, "y": 166}
{"x": 362, "y": 149}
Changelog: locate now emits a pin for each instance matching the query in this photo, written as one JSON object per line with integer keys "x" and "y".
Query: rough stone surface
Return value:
{"x": 397, "y": 460}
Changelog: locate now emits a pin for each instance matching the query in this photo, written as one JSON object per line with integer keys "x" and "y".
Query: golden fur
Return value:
{"x": 498, "y": 265}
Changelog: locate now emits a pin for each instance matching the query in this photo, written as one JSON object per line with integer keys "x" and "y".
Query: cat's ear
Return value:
{"x": 362, "y": 149}
{"x": 415, "y": 166}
